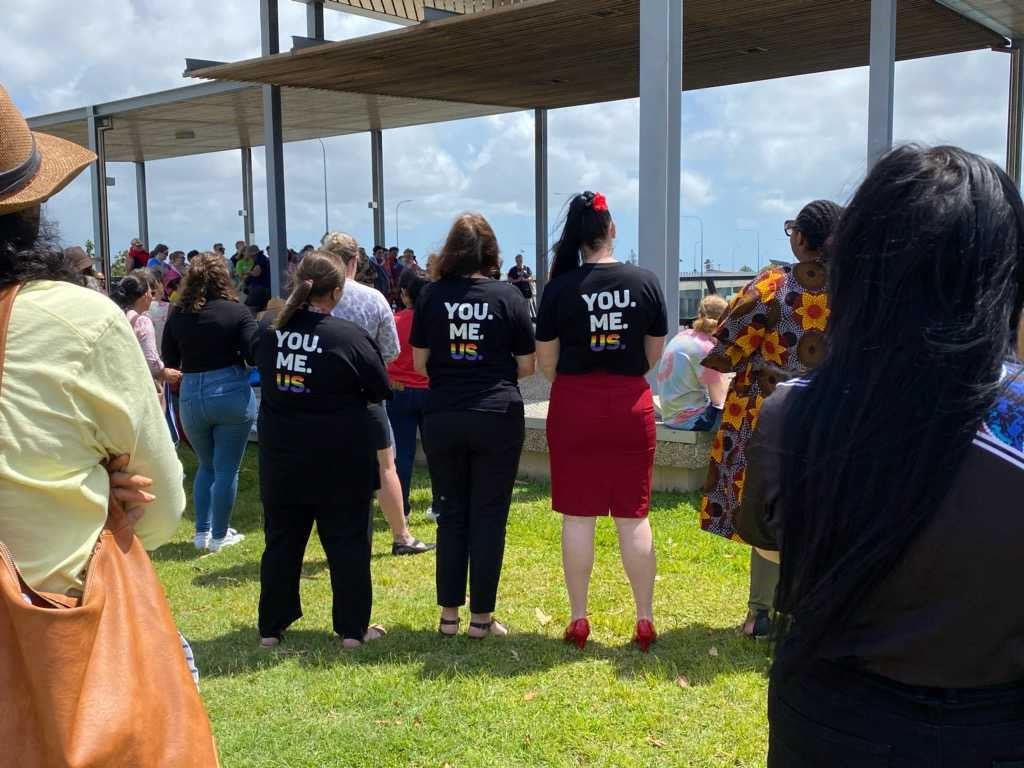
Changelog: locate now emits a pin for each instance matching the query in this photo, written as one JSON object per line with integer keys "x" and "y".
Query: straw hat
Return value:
{"x": 33, "y": 166}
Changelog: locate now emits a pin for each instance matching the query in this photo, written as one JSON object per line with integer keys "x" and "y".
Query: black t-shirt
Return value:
{"x": 522, "y": 273}
{"x": 317, "y": 375}
{"x": 474, "y": 329}
{"x": 219, "y": 335}
{"x": 600, "y": 314}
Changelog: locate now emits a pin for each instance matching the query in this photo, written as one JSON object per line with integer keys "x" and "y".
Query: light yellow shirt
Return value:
{"x": 76, "y": 389}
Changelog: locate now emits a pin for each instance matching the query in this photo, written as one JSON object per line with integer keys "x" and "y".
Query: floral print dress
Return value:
{"x": 771, "y": 331}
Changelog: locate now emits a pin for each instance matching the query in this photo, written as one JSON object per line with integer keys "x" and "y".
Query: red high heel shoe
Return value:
{"x": 577, "y": 633}
{"x": 645, "y": 635}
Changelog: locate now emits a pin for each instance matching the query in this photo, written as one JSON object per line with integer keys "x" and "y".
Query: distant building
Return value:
{"x": 694, "y": 286}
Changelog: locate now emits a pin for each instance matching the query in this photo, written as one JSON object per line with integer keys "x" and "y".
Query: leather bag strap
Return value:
{"x": 6, "y": 304}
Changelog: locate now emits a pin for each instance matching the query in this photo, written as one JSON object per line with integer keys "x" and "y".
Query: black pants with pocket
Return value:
{"x": 473, "y": 459}
{"x": 341, "y": 523}
{"x": 833, "y": 716}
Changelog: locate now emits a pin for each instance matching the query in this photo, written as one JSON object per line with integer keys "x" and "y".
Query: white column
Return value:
{"x": 1015, "y": 125}
{"x": 141, "y": 202}
{"x": 661, "y": 68}
{"x": 540, "y": 197}
{"x": 882, "y": 78}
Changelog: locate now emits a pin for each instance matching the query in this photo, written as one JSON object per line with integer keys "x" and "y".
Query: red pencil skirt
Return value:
{"x": 601, "y": 440}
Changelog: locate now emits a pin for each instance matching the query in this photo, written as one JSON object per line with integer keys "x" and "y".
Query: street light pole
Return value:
{"x": 323, "y": 149}
{"x": 397, "y": 206}
{"x": 700, "y": 223}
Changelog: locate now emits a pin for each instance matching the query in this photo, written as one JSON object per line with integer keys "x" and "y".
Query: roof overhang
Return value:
{"x": 563, "y": 53}
{"x": 410, "y": 11}
{"x": 1005, "y": 17}
{"x": 213, "y": 117}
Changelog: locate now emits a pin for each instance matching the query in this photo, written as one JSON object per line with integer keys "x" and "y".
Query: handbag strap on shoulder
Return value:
{"x": 6, "y": 304}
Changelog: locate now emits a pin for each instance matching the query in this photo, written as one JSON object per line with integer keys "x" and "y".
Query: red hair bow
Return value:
{"x": 600, "y": 203}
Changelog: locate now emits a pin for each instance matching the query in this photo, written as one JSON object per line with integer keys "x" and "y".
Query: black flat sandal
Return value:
{"x": 486, "y": 626}
{"x": 448, "y": 623}
{"x": 415, "y": 547}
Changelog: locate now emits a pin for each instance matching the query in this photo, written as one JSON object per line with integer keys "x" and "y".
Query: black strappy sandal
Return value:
{"x": 486, "y": 626}
{"x": 448, "y": 623}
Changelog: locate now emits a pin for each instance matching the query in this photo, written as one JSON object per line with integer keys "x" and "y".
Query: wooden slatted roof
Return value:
{"x": 412, "y": 10}
{"x": 189, "y": 123}
{"x": 561, "y": 53}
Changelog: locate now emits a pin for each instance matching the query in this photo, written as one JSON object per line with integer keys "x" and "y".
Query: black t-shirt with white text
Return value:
{"x": 317, "y": 375}
{"x": 600, "y": 314}
{"x": 474, "y": 329}
{"x": 523, "y": 274}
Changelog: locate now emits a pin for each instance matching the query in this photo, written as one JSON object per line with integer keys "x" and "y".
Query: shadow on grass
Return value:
{"x": 250, "y": 571}
{"x": 679, "y": 652}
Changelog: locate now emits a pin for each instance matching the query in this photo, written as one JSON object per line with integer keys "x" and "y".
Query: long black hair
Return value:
{"x": 585, "y": 224}
{"x": 29, "y": 250}
{"x": 926, "y": 288}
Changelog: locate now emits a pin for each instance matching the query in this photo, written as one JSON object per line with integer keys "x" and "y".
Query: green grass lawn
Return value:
{"x": 415, "y": 699}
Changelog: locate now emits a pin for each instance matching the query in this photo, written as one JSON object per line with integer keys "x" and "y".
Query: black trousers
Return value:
{"x": 341, "y": 524}
{"x": 835, "y": 717}
{"x": 473, "y": 459}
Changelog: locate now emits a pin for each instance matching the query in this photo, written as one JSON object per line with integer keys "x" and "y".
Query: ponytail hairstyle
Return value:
{"x": 130, "y": 289}
{"x": 712, "y": 307}
{"x": 587, "y": 223}
{"x": 317, "y": 275}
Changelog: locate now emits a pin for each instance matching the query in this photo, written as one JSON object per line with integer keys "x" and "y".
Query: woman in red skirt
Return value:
{"x": 601, "y": 327}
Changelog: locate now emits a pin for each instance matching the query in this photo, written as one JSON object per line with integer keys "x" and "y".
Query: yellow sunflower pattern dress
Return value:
{"x": 771, "y": 331}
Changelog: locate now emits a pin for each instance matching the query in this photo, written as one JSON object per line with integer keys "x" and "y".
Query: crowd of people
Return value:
{"x": 866, "y": 405}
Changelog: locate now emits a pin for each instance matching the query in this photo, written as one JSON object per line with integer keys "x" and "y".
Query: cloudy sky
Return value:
{"x": 752, "y": 154}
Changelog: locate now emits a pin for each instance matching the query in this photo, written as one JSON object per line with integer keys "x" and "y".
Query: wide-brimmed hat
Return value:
{"x": 33, "y": 166}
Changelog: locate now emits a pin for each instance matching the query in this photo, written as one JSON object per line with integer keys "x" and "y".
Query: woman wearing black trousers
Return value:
{"x": 318, "y": 374}
{"x": 472, "y": 335}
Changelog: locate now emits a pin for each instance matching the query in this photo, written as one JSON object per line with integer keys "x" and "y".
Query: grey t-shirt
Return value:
{"x": 367, "y": 308}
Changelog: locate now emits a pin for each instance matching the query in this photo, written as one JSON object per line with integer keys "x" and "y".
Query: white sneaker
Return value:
{"x": 202, "y": 541}
{"x": 431, "y": 515}
{"x": 233, "y": 537}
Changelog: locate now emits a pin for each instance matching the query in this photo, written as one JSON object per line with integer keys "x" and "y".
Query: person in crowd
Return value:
{"x": 257, "y": 281}
{"x": 158, "y": 257}
{"x": 134, "y": 294}
{"x": 173, "y": 272}
{"x": 308, "y": 475}
{"x": 366, "y": 273}
{"x": 60, "y": 422}
{"x": 890, "y": 483}
{"x": 472, "y": 336}
{"x": 774, "y": 329}
{"x": 692, "y": 396}
{"x": 430, "y": 269}
{"x": 218, "y": 248}
{"x": 80, "y": 262}
{"x": 393, "y": 267}
{"x": 409, "y": 388}
{"x": 601, "y": 327}
{"x": 239, "y": 251}
{"x": 209, "y": 338}
{"x": 382, "y": 279}
{"x": 521, "y": 277}
{"x": 243, "y": 265}
{"x": 137, "y": 256}
{"x": 367, "y": 308}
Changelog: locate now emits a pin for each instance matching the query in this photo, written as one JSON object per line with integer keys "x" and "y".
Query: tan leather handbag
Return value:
{"x": 99, "y": 681}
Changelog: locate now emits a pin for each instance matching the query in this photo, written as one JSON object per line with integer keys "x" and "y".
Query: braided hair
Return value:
{"x": 816, "y": 222}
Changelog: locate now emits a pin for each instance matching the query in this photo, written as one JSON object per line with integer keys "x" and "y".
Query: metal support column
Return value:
{"x": 315, "y": 19}
{"x": 540, "y": 196}
{"x": 100, "y": 211}
{"x": 1015, "y": 127}
{"x": 882, "y": 78}
{"x": 377, "y": 173}
{"x": 273, "y": 141}
{"x": 141, "y": 203}
{"x": 661, "y": 69}
{"x": 248, "y": 200}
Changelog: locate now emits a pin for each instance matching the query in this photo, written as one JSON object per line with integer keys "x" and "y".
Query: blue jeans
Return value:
{"x": 405, "y": 412}
{"x": 217, "y": 412}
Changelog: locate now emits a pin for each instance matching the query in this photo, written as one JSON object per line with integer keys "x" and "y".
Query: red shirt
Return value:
{"x": 400, "y": 370}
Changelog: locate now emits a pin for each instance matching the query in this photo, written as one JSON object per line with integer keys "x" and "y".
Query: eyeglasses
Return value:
{"x": 789, "y": 228}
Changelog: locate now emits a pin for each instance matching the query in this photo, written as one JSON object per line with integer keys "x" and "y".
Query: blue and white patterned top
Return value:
{"x": 1006, "y": 419}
